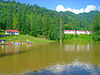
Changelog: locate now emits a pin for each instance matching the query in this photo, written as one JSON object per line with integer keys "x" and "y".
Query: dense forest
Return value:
{"x": 35, "y": 20}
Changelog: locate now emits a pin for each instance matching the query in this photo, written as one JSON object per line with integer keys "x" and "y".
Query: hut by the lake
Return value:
{"x": 11, "y": 32}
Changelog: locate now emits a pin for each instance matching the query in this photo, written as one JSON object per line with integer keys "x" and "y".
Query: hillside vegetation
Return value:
{"x": 82, "y": 37}
{"x": 24, "y": 38}
{"x": 34, "y": 20}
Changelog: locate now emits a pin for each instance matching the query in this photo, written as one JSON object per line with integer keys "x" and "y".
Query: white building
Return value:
{"x": 80, "y": 32}
{"x": 77, "y": 32}
{"x": 11, "y": 32}
{"x": 69, "y": 31}
{"x": 88, "y": 32}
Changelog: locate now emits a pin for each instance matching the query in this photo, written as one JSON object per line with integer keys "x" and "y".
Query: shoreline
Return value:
{"x": 23, "y": 39}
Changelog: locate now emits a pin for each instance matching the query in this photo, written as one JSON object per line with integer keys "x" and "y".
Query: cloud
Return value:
{"x": 76, "y": 11}
{"x": 89, "y": 8}
{"x": 60, "y": 8}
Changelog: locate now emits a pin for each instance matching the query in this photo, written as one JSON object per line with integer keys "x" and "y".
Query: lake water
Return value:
{"x": 70, "y": 58}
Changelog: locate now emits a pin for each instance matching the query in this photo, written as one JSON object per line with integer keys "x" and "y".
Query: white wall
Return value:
{"x": 77, "y": 32}
{"x": 80, "y": 32}
{"x": 17, "y": 33}
{"x": 69, "y": 32}
{"x": 9, "y": 33}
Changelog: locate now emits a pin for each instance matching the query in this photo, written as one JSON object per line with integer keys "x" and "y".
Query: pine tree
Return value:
{"x": 10, "y": 18}
{"x": 19, "y": 25}
{"x": 96, "y": 28}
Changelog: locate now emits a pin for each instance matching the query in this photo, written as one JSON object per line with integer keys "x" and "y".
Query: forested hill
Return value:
{"x": 80, "y": 21}
{"x": 35, "y": 20}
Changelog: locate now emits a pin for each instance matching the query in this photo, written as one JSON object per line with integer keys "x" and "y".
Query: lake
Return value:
{"x": 70, "y": 58}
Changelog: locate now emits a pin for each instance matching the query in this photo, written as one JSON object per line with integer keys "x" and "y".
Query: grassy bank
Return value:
{"x": 82, "y": 37}
{"x": 24, "y": 38}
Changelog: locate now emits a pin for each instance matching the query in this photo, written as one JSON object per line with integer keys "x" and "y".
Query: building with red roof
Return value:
{"x": 77, "y": 32}
{"x": 88, "y": 32}
{"x": 11, "y": 32}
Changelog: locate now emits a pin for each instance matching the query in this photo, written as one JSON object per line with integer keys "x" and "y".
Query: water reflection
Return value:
{"x": 53, "y": 58}
{"x": 7, "y": 50}
{"x": 77, "y": 47}
{"x": 75, "y": 68}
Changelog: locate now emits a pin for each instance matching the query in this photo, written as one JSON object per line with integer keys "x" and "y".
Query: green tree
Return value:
{"x": 10, "y": 18}
{"x": 1, "y": 0}
{"x": 96, "y": 28}
{"x": 19, "y": 25}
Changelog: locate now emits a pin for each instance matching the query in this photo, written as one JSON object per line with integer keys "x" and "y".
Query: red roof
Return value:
{"x": 9, "y": 30}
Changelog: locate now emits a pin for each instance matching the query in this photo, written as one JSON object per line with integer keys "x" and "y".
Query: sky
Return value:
{"x": 75, "y": 6}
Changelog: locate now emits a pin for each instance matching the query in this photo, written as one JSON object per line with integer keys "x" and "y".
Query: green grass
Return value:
{"x": 24, "y": 38}
{"x": 78, "y": 37}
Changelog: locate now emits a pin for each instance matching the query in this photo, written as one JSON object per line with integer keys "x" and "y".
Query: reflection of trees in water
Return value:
{"x": 45, "y": 56}
{"x": 77, "y": 47}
